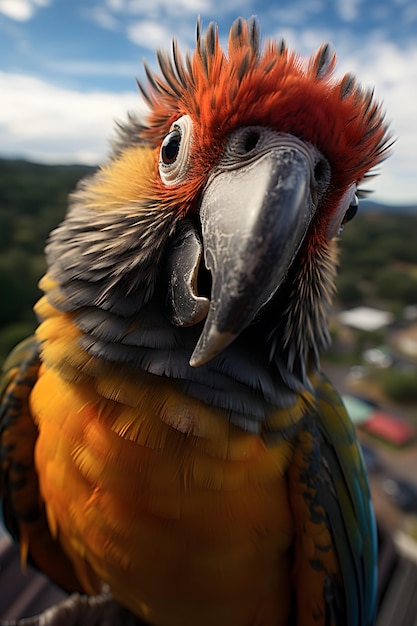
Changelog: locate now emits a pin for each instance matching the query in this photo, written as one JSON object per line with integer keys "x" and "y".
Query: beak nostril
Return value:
{"x": 204, "y": 282}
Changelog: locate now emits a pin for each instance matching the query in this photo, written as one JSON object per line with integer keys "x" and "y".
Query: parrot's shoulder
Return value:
{"x": 23, "y": 358}
{"x": 334, "y": 515}
{"x": 18, "y": 375}
{"x": 18, "y": 432}
{"x": 23, "y": 511}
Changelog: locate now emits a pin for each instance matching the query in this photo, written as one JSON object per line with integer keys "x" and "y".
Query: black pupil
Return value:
{"x": 251, "y": 141}
{"x": 170, "y": 147}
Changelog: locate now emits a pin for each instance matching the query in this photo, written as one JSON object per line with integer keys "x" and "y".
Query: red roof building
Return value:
{"x": 388, "y": 428}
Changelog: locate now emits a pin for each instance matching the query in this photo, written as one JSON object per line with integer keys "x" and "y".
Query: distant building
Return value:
{"x": 366, "y": 318}
{"x": 406, "y": 341}
{"x": 390, "y": 429}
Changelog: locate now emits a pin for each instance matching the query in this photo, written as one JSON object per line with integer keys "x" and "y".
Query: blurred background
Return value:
{"x": 67, "y": 71}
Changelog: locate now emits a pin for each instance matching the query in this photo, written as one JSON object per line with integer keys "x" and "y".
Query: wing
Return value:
{"x": 23, "y": 510}
{"x": 336, "y": 550}
{"x": 17, "y": 436}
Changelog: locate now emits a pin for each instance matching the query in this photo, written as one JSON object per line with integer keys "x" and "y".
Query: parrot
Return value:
{"x": 168, "y": 434}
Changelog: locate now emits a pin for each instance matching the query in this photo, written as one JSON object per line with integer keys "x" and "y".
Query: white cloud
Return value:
{"x": 149, "y": 34}
{"x": 108, "y": 12}
{"x": 93, "y": 68}
{"x": 295, "y": 12}
{"x": 348, "y": 9}
{"x": 101, "y": 16}
{"x": 141, "y": 7}
{"x": 21, "y": 10}
{"x": 153, "y": 24}
{"x": 116, "y": 5}
{"x": 47, "y": 123}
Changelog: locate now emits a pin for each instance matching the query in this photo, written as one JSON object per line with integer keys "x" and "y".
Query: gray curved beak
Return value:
{"x": 254, "y": 218}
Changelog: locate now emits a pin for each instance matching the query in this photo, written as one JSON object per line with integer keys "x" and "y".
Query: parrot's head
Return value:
{"x": 209, "y": 234}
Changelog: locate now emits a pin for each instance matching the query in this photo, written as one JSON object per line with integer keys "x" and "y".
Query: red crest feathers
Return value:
{"x": 271, "y": 87}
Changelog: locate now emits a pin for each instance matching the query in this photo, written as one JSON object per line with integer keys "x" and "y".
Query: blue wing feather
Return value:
{"x": 350, "y": 513}
{"x": 335, "y": 545}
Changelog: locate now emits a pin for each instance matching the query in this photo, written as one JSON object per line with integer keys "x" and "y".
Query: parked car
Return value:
{"x": 402, "y": 492}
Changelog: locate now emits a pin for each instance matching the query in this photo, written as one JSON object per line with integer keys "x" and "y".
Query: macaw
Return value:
{"x": 168, "y": 434}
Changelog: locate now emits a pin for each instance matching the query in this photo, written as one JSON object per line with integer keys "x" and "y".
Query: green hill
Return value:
{"x": 33, "y": 199}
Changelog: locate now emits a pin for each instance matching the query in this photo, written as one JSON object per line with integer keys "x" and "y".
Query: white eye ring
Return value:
{"x": 340, "y": 217}
{"x": 175, "y": 152}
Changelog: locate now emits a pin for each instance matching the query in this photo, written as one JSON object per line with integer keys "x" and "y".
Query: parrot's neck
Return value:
{"x": 253, "y": 392}
{"x": 94, "y": 325}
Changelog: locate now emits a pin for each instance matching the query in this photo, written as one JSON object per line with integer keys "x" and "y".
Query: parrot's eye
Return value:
{"x": 170, "y": 147}
{"x": 345, "y": 212}
{"x": 175, "y": 152}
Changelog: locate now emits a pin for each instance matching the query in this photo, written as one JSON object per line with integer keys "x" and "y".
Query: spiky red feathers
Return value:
{"x": 271, "y": 87}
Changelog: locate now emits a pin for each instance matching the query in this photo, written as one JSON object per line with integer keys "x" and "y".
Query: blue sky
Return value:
{"x": 68, "y": 67}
